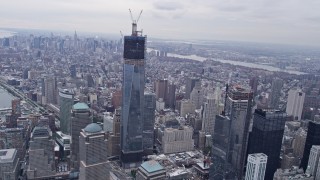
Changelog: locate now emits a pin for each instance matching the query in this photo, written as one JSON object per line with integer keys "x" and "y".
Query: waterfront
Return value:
{"x": 5, "y": 99}
{"x": 5, "y": 33}
{"x": 237, "y": 63}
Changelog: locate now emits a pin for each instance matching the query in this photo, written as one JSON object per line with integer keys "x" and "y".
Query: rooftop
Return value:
{"x": 92, "y": 128}
{"x": 151, "y": 166}
{"x": 7, "y": 155}
{"x": 80, "y": 106}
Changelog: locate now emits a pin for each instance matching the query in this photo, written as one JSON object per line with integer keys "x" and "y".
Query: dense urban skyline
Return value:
{"x": 284, "y": 22}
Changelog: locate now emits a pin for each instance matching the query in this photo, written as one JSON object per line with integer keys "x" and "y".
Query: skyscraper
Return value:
{"x": 114, "y": 137}
{"x": 295, "y": 103}
{"x": 275, "y": 93}
{"x": 191, "y": 83}
{"x": 133, "y": 98}
{"x": 148, "y": 122}
{"x": 266, "y": 137}
{"x": 93, "y": 153}
{"x": 196, "y": 96}
{"x": 41, "y": 154}
{"x": 238, "y": 106}
{"x": 209, "y": 114}
{"x": 161, "y": 88}
{"x": 256, "y": 166}
{"x": 50, "y": 88}
{"x": 9, "y": 164}
{"x": 171, "y": 96}
{"x": 66, "y": 103}
{"x": 314, "y": 159}
{"x": 81, "y": 117}
{"x": 313, "y": 138}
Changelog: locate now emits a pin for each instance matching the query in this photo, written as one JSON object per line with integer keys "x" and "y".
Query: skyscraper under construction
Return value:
{"x": 133, "y": 98}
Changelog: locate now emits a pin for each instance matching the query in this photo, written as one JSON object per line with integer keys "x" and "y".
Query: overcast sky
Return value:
{"x": 275, "y": 21}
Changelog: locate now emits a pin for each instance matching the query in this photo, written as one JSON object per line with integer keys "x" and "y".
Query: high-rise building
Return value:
{"x": 299, "y": 143}
{"x": 313, "y": 138}
{"x": 187, "y": 107}
{"x": 266, "y": 137}
{"x": 238, "y": 106}
{"x": 66, "y": 100}
{"x": 221, "y": 136}
{"x": 148, "y": 122}
{"x": 161, "y": 88}
{"x": 116, "y": 99}
{"x": 9, "y": 164}
{"x": 275, "y": 93}
{"x": 254, "y": 82}
{"x": 177, "y": 140}
{"x": 133, "y": 98}
{"x": 50, "y": 88}
{"x": 196, "y": 96}
{"x": 41, "y": 154}
{"x": 209, "y": 114}
{"x": 16, "y": 107}
{"x": 295, "y": 103}
{"x": 80, "y": 118}
{"x": 314, "y": 160}
{"x": 191, "y": 83}
{"x": 256, "y": 166}
{"x": 151, "y": 170}
{"x": 114, "y": 137}
{"x": 93, "y": 153}
{"x": 171, "y": 96}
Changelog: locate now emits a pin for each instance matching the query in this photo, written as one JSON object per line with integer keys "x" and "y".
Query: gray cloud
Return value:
{"x": 167, "y": 5}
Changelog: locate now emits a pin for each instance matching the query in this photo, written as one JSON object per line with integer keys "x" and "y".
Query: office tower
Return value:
{"x": 209, "y": 114}
{"x": 66, "y": 102}
{"x": 275, "y": 93}
{"x": 171, "y": 96}
{"x": 221, "y": 136}
{"x": 190, "y": 84}
{"x": 314, "y": 160}
{"x": 318, "y": 172}
{"x": 151, "y": 170}
{"x": 50, "y": 88}
{"x": 107, "y": 122}
{"x": 73, "y": 70}
{"x": 41, "y": 154}
{"x": 160, "y": 105}
{"x": 295, "y": 103}
{"x": 9, "y": 164}
{"x": 16, "y": 138}
{"x": 256, "y": 166}
{"x": 177, "y": 140}
{"x": 90, "y": 81}
{"x": 116, "y": 99}
{"x": 313, "y": 138}
{"x": 16, "y": 107}
{"x": 114, "y": 136}
{"x": 148, "y": 122}
{"x": 254, "y": 82}
{"x": 93, "y": 153}
{"x": 64, "y": 143}
{"x": 133, "y": 98}
{"x": 161, "y": 89}
{"x": 299, "y": 143}
{"x": 266, "y": 137}
{"x": 238, "y": 106}
{"x": 196, "y": 96}
{"x": 187, "y": 107}
{"x": 80, "y": 118}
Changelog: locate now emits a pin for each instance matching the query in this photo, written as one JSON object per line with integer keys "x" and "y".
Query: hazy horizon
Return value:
{"x": 289, "y": 22}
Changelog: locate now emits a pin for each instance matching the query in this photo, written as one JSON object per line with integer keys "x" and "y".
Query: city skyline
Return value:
{"x": 285, "y": 22}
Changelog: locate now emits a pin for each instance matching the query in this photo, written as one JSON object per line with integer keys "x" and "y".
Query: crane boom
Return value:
{"x": 139, "y": 16}
{"x": 131, "y": 16}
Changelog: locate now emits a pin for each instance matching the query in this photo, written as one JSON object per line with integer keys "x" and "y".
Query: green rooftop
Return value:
{"x": 151, "y": 166}
{"x": 80, "y": 106}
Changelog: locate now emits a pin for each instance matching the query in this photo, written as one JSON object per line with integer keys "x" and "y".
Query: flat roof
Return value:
{"x": 151, "y": 166}
{"x": 7, "y": 155}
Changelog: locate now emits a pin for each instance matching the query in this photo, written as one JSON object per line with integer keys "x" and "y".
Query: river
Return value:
{"x": 5, "y": 99}
{"x": 239, "y": 63}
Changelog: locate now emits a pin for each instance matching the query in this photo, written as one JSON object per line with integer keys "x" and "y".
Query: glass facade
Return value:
{"x": 266, "y": 137}
{"x": 132, "y": 99}
{"x": 66, "y": 103}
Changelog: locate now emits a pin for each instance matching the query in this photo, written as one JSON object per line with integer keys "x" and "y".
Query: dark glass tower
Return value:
{"x": 266, "y": 137}
{"x": 313, "y": 138}
{"x": 132, "y": 113}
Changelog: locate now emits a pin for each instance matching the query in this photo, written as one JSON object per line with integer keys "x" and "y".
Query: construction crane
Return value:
{"x": 134, "y": 23}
